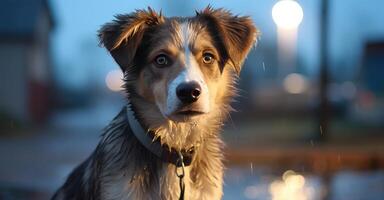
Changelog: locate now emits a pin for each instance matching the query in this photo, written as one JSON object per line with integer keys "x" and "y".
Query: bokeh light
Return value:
{"x": 114, "y": 80}
{"x": 295, "y": 83}
{"x": 291, "y": 187}
{"x": 287, "y": 14}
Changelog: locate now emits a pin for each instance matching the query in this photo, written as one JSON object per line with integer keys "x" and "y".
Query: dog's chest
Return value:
{"x": 144, "y": 185}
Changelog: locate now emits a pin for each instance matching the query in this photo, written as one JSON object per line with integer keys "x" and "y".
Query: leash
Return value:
{"x": 180, "y": 158}
{"x": 180, "y": 172}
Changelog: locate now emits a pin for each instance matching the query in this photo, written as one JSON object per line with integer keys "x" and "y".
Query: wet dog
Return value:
{"x": 179, "y": 77}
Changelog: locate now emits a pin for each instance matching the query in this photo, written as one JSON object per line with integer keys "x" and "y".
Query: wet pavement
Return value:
{"x": 39, "y": 160}
{"x": 34, "y": 165}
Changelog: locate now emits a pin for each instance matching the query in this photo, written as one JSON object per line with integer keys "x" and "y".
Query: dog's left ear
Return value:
{"x": 237, "y": 34}
{"x": 122, "y": 36}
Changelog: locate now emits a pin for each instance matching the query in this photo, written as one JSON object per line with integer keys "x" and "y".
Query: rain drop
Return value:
{"x": 251, "y": 168}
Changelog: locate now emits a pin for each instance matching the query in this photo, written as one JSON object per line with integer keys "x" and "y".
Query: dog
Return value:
{"x": 179, "y": 76}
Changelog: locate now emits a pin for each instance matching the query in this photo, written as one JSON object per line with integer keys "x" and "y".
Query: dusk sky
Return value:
{"x": 75, "y": 45}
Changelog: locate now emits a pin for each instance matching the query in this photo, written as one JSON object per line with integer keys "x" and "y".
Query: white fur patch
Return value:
{"x": 191, "y": 72}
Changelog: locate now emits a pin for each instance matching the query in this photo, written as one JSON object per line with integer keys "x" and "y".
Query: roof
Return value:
{"x": 19, "y": 17}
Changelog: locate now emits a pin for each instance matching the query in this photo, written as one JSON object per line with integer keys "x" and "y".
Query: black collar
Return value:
{"x": 165, "y": 153}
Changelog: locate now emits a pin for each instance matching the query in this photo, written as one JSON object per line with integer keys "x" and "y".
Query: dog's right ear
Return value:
{"x": 122, "y": 36}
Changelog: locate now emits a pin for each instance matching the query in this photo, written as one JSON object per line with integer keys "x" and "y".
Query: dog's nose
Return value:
{"x": 188, "y": 92}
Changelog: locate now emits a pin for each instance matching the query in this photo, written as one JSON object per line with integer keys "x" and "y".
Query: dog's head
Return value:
{"x": 184, "y": 66}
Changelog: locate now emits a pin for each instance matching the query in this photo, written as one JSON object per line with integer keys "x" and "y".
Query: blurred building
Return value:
{"x": 372, "y": 72}
{"x": 369, "y": 105}
{"x": 25, "y": 61}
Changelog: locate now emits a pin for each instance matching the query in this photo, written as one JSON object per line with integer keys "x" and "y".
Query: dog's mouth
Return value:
{"x": 190, "y": 113}
{"x": 186, "y": 115}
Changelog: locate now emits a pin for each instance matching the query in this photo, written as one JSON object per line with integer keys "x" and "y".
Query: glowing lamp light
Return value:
{"x": 114, "y": 80}
{"x": 287, "y": 14}
{"x": 292, "y": 187}
{"x": 295, "y": 83}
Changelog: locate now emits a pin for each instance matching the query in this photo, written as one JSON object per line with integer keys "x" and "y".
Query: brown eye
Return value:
{"x": 208, "y": 58}
{"x": 162, "y": 60}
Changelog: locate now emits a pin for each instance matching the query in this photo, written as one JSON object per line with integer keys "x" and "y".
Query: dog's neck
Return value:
{"x": 177, "y": 135}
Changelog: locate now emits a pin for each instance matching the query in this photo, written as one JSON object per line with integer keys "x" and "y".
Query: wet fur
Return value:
{"x": 122, "y": 168}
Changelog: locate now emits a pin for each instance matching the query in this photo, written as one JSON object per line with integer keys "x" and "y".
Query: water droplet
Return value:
{"x": 251, "y": 168}
{"x": 263, "y": 66}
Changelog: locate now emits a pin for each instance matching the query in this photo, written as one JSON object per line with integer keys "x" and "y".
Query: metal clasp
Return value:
{"x": 180, "y": 174}
{"x": 180, "y": 165}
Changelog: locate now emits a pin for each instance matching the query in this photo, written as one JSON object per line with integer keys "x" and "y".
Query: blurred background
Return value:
{"x": 310, "y": 120}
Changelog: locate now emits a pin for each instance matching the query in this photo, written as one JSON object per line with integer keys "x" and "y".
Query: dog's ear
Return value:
{"x": 122, "y": 36}
{"x": 236, "y": 34}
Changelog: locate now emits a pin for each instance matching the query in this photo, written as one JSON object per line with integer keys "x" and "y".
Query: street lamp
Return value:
{"x": 287, "y": 15}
